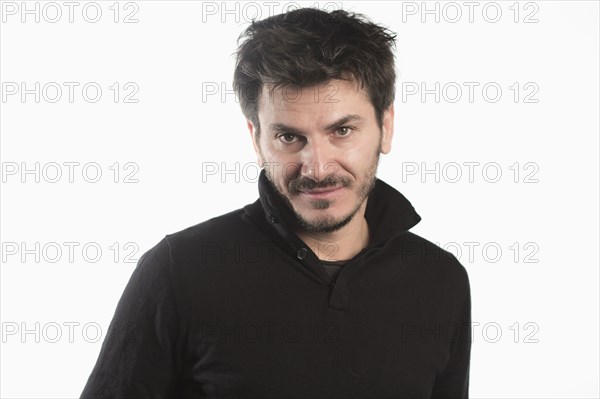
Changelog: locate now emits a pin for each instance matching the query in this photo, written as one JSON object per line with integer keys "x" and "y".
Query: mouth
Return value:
{"x": 322, "y": 193}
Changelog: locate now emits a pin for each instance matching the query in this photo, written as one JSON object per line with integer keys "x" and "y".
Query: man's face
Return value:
{"x": 320, "y": 147}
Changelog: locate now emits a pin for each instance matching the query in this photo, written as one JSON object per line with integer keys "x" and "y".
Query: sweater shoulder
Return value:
{"x": 229, "y": 229}
{"x": 433, "y": 259}
{"x": 214, "y": 228}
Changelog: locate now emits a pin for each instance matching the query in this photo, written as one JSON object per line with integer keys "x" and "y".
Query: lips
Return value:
{"x": 322, "y": 193}
{"x": 322, "y": 190}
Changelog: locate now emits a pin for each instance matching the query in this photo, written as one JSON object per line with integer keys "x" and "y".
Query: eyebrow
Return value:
{"x": 342, "y": 121}
{"x": 283, "y": 128}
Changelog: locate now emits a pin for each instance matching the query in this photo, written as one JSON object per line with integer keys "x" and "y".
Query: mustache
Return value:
{"x": 305, "y": 183}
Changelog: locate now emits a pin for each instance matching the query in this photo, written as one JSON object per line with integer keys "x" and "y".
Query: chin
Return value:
{"x": 324, "y": 223}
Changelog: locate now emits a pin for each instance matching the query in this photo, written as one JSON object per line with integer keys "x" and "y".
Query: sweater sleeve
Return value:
{"x": 139, "y": 355}
{"x": 453, "y": 380}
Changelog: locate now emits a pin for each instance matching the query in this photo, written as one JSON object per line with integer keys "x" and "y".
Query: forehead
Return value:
{"x": 331, "y": 97}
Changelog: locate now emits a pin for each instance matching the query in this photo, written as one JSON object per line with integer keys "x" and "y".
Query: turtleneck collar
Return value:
{"x": 387, "y": 212}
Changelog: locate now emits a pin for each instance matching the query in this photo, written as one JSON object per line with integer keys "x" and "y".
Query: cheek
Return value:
{"x": 282, "y": 171}
{"x": 287, "y": 171}
{"x": 356, "y": 161}
{"x": 284, "y": 166}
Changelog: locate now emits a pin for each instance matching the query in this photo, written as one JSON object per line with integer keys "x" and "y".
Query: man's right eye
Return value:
{"x": 288, "y": 138}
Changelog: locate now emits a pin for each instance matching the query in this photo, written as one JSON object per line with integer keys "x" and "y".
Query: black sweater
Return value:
{"x": 239, "y": 307}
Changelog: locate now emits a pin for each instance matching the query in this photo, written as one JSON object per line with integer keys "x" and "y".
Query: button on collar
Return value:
{"x": 302, "y": 253}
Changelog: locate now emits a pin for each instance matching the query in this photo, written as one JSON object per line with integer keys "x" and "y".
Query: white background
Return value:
{"x": 176, "y": 128}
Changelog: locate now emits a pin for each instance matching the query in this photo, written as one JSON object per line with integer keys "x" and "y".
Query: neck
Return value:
{"x": 342, "y": 244}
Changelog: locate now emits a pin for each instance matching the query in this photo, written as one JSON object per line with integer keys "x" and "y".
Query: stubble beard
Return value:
{"x": 327, "y": 223}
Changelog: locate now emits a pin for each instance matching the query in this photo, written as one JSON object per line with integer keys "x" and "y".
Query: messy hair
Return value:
{"x": 307, "y": 47}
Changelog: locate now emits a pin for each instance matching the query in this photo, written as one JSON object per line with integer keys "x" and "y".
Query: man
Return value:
{"x": 317, "y": 289}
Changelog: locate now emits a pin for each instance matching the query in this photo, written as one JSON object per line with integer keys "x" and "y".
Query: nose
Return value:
{"x": 317, "y": 159}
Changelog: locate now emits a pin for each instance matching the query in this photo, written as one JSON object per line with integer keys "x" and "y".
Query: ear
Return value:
{"x": 387, "y": 127}
{"x": 252, "y": 131}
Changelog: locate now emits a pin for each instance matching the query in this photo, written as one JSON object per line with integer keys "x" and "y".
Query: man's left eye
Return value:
{"x": 344, "y": 130}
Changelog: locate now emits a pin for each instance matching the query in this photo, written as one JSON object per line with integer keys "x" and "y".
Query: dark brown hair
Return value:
{"x": 306, "y": 47}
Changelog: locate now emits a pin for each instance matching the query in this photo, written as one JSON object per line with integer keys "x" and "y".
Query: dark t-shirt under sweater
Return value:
{"x": 333, "y": 267}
